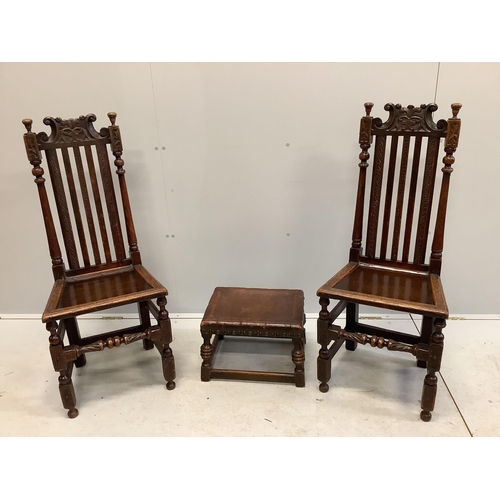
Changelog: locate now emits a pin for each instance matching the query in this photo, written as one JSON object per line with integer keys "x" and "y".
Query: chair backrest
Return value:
{"x": 80, "y": 177}
{"x": 396, "y": 217}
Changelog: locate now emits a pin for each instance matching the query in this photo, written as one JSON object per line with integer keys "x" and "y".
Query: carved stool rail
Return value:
{"x": 254, "y": 312}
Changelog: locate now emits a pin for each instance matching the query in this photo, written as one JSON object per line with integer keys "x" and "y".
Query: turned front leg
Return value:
{"x": 64, "y": 368}
{"x": 433, "y": 365}
{"x": 324, "y": 367}
{"x": 167, "y": 357}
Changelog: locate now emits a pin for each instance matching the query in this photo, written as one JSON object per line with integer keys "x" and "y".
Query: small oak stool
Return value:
{"x": 254, "y": 312}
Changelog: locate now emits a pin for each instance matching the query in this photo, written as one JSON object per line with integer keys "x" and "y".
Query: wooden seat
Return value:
{"x": 392, "y": 272}
{"x": 112, "y": 288}
{"x": 99, "y": 274}
{"x": 419, "y": 293}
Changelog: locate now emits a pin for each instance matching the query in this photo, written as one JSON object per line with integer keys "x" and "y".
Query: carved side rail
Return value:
{"x": 420, "y": 351}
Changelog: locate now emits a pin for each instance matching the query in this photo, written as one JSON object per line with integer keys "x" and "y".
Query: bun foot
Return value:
{"x": 170, "y": 385}
{"x": 323, "y": 387}
{"x": 73, "y": 413}
{"x": 425, "y": 415}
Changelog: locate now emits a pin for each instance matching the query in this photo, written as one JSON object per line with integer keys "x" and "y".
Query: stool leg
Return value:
{"x": 299, "y": 357}
{"x": 206, "y": 352}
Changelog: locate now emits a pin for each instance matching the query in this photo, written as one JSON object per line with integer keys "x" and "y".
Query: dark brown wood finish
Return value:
{"x": 254, "y": 312}
{"x": 93, "y": 281}
{"x": 384, "y": 275}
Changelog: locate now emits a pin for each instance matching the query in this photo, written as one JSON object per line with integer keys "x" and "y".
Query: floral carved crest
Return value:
{"x": 71, "y": 130}
{"x": 410, "y": 119}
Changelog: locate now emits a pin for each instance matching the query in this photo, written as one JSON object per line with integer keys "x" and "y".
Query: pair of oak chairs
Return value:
{"x": 393, "y": 210}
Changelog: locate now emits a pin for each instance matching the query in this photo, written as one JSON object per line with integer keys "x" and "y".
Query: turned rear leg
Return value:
{"x": 74, "y": 337}
{"x": 352, "y": 319}
{"x": 147, "y": 344}
{"x": 351, "y": 345}
{"x": 143, "y": 308}
{"x": 425, "y": 336}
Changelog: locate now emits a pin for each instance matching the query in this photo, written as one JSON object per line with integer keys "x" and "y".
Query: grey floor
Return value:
{"x": 373, "y": 392}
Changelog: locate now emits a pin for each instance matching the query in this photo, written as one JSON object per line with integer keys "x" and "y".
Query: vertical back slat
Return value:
{"x": 388, "y": 196}
{"x": 400, "y": 198}
{"x": 109, "y": 193}
{"x": 376, "y": 188}
{"x": 426, "y": 200}
{"x": 76, "y": 207}
{"x": 86, "y": 203}
{"x": 62, "y": 208}
{"x": 98, "y": 203}
{"x": 411, "y": 198}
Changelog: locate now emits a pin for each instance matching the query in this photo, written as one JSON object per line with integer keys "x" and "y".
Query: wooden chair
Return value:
{"x": 102, "y": 276}
{"x": 392, "y": 271}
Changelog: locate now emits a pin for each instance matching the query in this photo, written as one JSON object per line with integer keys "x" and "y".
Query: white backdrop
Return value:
{"x": 244, "y": 174}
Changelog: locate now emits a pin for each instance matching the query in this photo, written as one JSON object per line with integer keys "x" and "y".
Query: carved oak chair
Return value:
{"x": 392, "y": 272}
{"x": 102, "y": 276}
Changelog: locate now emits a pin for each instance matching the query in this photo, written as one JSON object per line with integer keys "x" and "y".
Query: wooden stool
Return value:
{"x": 254, "y": 312}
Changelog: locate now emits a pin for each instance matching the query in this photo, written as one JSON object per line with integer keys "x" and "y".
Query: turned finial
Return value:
{"x": 368, "y": 108}
{"x": 455, "y": 108}
{"x": 112, "y": 117}
{"x": 27, "y": 122}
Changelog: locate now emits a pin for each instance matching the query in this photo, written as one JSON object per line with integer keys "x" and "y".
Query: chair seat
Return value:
{"x": 402, "y": 290}
{"x": 101, "y": 290}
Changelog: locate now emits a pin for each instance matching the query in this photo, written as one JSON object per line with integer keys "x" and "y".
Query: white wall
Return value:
{"x": 239, "y": 206}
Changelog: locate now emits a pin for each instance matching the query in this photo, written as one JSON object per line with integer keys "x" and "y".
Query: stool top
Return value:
{"x": 255, "y": 308}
